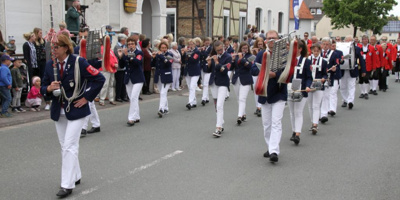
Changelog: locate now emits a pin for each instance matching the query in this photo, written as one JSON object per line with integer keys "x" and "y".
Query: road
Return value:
{"x": 354, "y": 156}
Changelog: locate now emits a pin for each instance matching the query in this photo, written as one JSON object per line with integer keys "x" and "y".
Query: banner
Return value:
{"x": 296, "y": 8}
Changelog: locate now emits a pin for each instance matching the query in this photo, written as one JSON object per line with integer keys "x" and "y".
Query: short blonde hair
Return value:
{"x": 28, "y": 35}
{"x": 174, "y": 44}
{"x": 197, "y": 39}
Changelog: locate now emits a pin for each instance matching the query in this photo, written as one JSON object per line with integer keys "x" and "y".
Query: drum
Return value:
{"x": 295, "y": 96}
{"x": 348, "y": 50}
{"x": 317, "y": 85}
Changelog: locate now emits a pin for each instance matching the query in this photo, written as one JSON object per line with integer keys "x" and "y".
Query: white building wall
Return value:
{"x": 305, "y": 25}
{"x": 96, "y": 15}
{"x": 269, "y": 5}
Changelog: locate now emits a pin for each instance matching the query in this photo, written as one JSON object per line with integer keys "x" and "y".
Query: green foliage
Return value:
{"x": 363, "y": 14}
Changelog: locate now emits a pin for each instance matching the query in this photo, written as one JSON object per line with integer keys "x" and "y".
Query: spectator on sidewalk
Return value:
{"x": 11, "y": 45}
{"x": 72, "y": 17}
{"x": 5, "y": 85}
{"x": 34, "y": 99}
{"x": 147, "y": 55}
{"x": 17, "y": 85}
{"x": 30, "y": 55}
{"x": 120, "y": 88}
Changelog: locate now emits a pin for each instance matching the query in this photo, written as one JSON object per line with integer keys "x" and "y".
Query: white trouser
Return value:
{"x": 296, "y": 114}
{"x": 16, "y": 101}
{"x": 258, "y": 105}
{"x": 314, "y": 105}
{"x": 374, "y": 84}
{"x": 93, "y": 117}
{"x": 347, "y": 87}
{"x": 108, "y": 86}
{"x": 133, "y": 91}
{"x": 397, "y": 75}
{"x": 219, "y": 94}
{"x": 69, "y": 132}
{"x": 364, "y": 88}
{"x": 192, "y": 84}
{"x": 176, "y": 73}
{"x": 333, "y": 96}
{"x": 242, "y": 92}
{"x": 272, "y": 122}
{"x": 163, "y": 88}
{"x": 206, "y": 80}
{"x": 325, "y": 102}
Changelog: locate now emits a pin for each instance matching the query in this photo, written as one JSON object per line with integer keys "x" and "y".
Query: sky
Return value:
{"x": 396, "y": 9}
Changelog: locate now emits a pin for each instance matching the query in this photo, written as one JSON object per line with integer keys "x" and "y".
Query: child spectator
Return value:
{"x": 16, "y": 86}
{"x": 11, "y": 45}
{"x": 5, "y": 85}
{"x": 34, "y": 99}
{"x": 109, "y": 32}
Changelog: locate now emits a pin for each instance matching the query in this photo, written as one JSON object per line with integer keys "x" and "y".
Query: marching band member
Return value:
{"x": 205, "y": 69}
{"x": 396, "y": 60}
{"x": 330, "y": 57}
{"x": 192, "y": 72}
{"x": 219, "y": 82}
{"x": 385, "y": 67}
{"x": 319, "y": 75}
{"x": 335, "y": 80}
{"x": 163, "y": 76}
{"x": 258, "y": 46}
{"x": 392, "y": 57}
{"x": 348, "y": 80}
{"x": 272, "y": 106}
{"x": 134, "y": 78}
{"x": 242, "y": 79}
{"x": 368, "y": 54}
{"x": 230, "y": 50}
{"x": 70, "y": 108}
{"x": 374, "y": 78}
{"x": 302, "y": 72}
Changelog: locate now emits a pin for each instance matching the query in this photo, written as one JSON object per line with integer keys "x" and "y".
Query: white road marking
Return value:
{"x": 130, "y": 173}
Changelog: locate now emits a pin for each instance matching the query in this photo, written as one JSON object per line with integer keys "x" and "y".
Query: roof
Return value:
{"x": 304, "y": 11}
{"x": 314, "y": 3}
{"x": 391, "y": 27}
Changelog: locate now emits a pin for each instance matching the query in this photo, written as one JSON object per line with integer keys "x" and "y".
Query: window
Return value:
{"x": 171, "y": 24}
{"x": 258, "y": 18}
{"x": 313, "y": 11}
{"x": 319, "y": 11}
{"x": 226, "y": 23}
{"x": 242, "y": 25}
{"x": 280, "y": 22}
{"x": 269, "y": 25}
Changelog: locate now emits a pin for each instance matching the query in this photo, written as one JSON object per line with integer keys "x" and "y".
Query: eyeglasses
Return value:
{"x": 58, "y": 46}
{"x": 272, "y": 38}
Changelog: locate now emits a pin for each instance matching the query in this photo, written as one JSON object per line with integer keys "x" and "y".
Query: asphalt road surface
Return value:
{"x": 355, "y": 155}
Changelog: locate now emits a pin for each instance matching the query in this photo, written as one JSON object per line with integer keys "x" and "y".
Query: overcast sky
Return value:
{"x": 396, "y": 9}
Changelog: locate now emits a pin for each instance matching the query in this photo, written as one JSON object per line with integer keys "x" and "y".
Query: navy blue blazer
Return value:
{"x": 254, "y": 69}
{"x": 323, "y": 73}
{"x": 193, "y": 64}
{"x": 218, "y": 77}
{"x": 275, "y": 91}
{"x": 354, "y": 72}
{"x": 95, "y": 81}
{"x": 133, "y": 71}
{"x": 203, "y": 56}
{"x": 163, "y": 68}
{"x": 338, "y": 58}
{"x": 242, "y": 70}
{"x": 230, "y": 49}
{"x": 306, "y": 76}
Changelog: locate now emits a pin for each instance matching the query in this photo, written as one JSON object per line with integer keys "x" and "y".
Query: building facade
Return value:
{"x": 21, "y": 16}
{"x": 305, "y": 20}
{"x": 269, "y": 15}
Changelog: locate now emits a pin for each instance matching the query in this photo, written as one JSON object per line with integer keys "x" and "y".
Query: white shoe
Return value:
{"x": 47, "y": 107}
{"x": 198, "y": 89}
{"x": 174, "y": 90}
{"x": 179, "y": 89}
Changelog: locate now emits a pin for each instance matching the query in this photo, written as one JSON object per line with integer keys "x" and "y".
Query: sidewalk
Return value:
{"x": 29, "y": 116}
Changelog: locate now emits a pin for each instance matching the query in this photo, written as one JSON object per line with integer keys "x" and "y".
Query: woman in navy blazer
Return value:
{"x": 242, "y": 79}
{"x": 163, "y": 76}
{"x": 69, "y": 115}
{"x": 220, "y": 64}
{"x": 192, "y": 71}
{"x": 302, "y": 73}
{"x": 319, "y": 73}
{"x": 134, "y": 79}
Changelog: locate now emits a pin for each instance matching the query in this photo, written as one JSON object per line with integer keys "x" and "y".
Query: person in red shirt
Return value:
{"x": 386, "y": 66}
{"x": 396, "y": 59}
{"x": 369, "y": 55}
{"x": 374, "y": 78}
{"x": 109, "y": 73}
{"x": 308, "y": 41}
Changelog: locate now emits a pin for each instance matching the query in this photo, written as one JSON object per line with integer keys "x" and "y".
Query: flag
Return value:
{"x": 296, "y": 8}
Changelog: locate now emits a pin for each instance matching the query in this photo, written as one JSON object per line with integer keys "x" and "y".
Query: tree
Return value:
{"x": 363, "y": 14}
{"x": 393, "y": 18}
